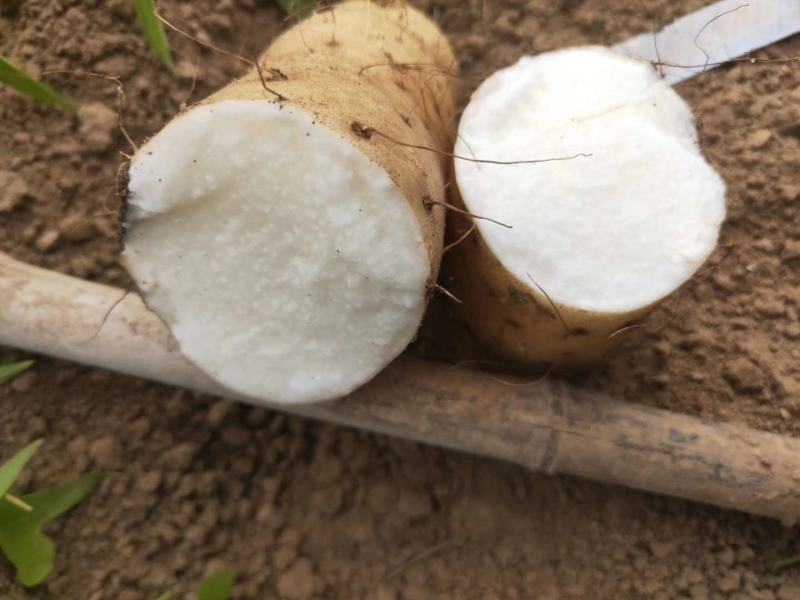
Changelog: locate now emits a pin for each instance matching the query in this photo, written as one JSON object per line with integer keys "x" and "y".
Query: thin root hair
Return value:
{"x": 421, "y": 67}
{"x": 185, "y": 103}
{"x": 430, "y": 201}
{"x": 552, "y": 304}
{"x": 660, "y": 63}
{"x": 278, "y": 96}
{"x": 461, "y": 238}
{"x": 703, "y": 28}
{"x": 367, "y": 132}
{"x": 624, "y": 330}
{"x": 120, "y": 98}
{"x": 438, "y": 288}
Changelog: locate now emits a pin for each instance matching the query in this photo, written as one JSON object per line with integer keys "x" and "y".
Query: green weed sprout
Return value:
{"x": 154, "y": 32}
{"x": 17, "y": 79}
{"x": 22, "y": 518}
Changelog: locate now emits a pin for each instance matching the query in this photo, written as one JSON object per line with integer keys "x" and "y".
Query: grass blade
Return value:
{"x": 297, "y": 8}
{"x": 21, "y": 537}
{"x": 9, "y": 370}
{"x": 154, "y": 32}
{"x": 15, "y": 78}
{"x": 11, "y": 470}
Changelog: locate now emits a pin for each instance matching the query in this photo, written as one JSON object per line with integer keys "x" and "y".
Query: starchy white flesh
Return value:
{"x": 608, "y": 233}
{"x": 289, "y": 267}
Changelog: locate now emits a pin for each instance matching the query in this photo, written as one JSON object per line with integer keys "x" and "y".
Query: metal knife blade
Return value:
{"x": 715, "y": 34}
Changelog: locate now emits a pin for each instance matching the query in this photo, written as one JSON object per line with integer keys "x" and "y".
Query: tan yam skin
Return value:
{"x": 514, "y": 319}
{"x": 346, "y": 67}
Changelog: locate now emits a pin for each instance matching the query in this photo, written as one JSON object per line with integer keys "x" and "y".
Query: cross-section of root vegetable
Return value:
{"x": 596, "y": 241}
{"x": 289, "y": 248}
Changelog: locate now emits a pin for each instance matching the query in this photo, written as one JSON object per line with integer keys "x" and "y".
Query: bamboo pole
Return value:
{"x": 550, "y": 427}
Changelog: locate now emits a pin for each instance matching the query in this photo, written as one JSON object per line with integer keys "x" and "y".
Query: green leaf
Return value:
{"x": 11, "y": 369}
{"x": 21, "y": 537}
{"x": 167, "y": 596}
{"x": 14, "y": 77}
{"x": 154, "y": 32}
{"x": 297, "y": 8}
{"x": 216, "y": 587}
{"x": 11, "y": 470}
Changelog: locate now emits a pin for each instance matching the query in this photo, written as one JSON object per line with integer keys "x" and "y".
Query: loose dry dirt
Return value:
{"x": 306, "y": 510}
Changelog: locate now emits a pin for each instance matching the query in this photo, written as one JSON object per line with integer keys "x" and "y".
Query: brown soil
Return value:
{"x": 301, "y": 509}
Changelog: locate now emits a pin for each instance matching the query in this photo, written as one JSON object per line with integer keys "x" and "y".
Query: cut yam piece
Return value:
{"x": 286, "y": 263}
{"x": 291, "y": 255}
{"x": 596, "y": 241}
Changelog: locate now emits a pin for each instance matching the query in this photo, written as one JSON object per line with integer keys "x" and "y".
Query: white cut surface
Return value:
{"x": 289, "y": 267}
{"x": 609, "y": 233}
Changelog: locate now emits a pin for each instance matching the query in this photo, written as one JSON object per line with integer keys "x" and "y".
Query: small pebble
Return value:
{"x": 47, "y": 240}
{"x": 791, "y": 250}
{"x": 297, "y": 582}
{"x": 769, "y": 309}
{"x": 744, "y": 376}
{"x": 121, "y": 8}
{"x": 792, "y": 331}
{"x": 76, "y": 228}
{"x": 104, "y": 451}
{"x": 98, "y": 126}
{"x": 759, "y": 139}
{"x": 219, "y": 411}
{"x": 13, "y": 190}
{"x": 149, "y": 481}
{"x": 179, "y": 457}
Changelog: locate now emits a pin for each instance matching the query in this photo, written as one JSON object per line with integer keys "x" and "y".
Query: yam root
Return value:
{"x": 288, "y": 245}
{"x": 595, "y": 242}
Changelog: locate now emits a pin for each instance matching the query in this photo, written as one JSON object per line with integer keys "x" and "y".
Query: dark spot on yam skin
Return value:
{"x": 277, "y": 75}
{"x": 427, "y": 202}
{"x": 406, "y": 120}
{"x": 579, "y": 331}
{"x": 512, "y": 323}
{"x": 522, "y": 297}
{"x": 361, "y": 130}
{"x": 519, "y": 296}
